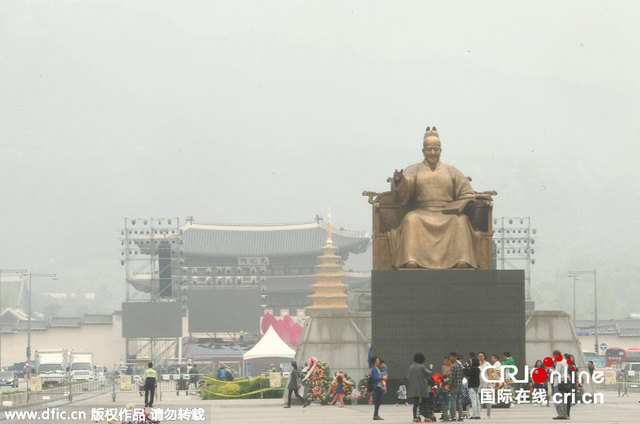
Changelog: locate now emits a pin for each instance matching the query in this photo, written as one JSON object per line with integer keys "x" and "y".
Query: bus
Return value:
{"x": 621, "y": 354}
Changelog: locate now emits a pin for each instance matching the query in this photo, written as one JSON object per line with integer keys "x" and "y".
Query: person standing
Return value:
{"x": 471, "y": 356}
{"x": 508, "y": 360}
{"x": 378, "y": 384}
{"x": 339, "y": 390}
{"x": 446, "y": 367}
{"x": 455, "y": 379}
{"x": 473, "y": 381}
{"x": 402, "y": 394}
{"x": 221, "y": 374}
{"x": 541, "y": 387}
{"x": 560, "y": 385}
{"x": 194, "y": 374}
{"x": 482, "y": 358}
{"x": 294, "y": 385}
{"x": 444, "y": 390}
{"x": 572, "y": 372}
{"x": 418, "y": 388}
{"x": 150, "y": 379}
{"x": 495, "y": 362}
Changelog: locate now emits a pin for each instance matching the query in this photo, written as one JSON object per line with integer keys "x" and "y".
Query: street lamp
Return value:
{"x": 595, "y": 301}
{"x": 6, "y": 270}
{"x": 31, "y": 274}
{"x": 575, "y": 277}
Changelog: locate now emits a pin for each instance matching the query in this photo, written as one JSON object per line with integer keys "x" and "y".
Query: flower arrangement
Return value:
{"x": 316, "y": 384}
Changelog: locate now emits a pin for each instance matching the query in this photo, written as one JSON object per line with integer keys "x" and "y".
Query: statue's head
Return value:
{"x": 431, "y": 147}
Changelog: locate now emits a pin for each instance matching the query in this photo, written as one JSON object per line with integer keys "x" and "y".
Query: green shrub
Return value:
{"x": 229, "y": 389}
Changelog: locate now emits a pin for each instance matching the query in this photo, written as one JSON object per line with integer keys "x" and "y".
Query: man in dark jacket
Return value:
{"x": 418, "y": 388}
{"x": 294, "y": 385}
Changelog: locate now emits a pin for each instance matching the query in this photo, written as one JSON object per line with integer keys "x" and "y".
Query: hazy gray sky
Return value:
{"x": 274, "y": 111}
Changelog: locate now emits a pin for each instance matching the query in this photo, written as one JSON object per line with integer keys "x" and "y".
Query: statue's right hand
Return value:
{"x": 397, "y": 176}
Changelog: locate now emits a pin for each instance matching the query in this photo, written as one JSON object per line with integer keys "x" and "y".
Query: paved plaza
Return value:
{"x": 271, "y": 411}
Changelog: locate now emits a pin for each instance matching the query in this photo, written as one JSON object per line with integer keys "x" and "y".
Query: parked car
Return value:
{"x": 8, "y": 378}
{"x": 82, "y": 375}
{"x": 100, "y": 370}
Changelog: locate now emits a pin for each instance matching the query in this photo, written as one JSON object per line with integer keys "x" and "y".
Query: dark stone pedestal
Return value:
{"x": 439, "y": 311}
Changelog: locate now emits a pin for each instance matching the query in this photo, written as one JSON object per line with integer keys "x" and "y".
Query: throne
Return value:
{"x": 388, "y": 214}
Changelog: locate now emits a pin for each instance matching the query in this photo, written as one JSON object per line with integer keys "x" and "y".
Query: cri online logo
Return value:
{"x": 540, "y": 375}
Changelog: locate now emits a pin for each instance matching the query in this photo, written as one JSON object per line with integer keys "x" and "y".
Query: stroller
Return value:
{"x": 438, "y": 381}
{"x": 433, "y": 400}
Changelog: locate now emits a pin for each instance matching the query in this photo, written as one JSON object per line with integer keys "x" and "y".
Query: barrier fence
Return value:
{"x": 270, "y": 386}
{"x": 47, "y": 387}
{"x": 206, "y": 387}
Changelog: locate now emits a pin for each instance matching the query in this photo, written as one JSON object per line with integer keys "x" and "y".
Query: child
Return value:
{"x": 339, "y": 390}
{"x": 402, "y": 394}
{"x": 385, "y": 375}
{"x": 443, "y": 393}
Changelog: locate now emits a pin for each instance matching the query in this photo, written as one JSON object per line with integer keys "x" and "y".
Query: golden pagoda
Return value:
{"x": 329, "y": 291}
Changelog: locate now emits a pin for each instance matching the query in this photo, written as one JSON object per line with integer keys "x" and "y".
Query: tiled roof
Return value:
{"x": 264, "y": 240}
{"x": 13, "y": 315}
{"x": 304, "y": 282}
{"x": 622, "y": 327}
{"x": 64, "y": 322}
{"x": 290, "y": 283}
{"x": 57, "y": 322}
{"x": 36, "y": 325}
{"x": 629, "y": 332}
{"x": 7, "y": 328}
{"x": 97, "y": 319}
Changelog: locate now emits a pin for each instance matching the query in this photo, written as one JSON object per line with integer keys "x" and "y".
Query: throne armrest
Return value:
{"x": 481, "y": 214}
{"x": 387, "y": 213}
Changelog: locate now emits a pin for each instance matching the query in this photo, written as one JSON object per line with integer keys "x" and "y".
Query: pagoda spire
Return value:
{"x": 329, "y": 229}
{"x": 329, "y": 291}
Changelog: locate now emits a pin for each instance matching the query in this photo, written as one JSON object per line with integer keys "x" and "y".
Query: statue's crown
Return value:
{"x": 431, "y": 132}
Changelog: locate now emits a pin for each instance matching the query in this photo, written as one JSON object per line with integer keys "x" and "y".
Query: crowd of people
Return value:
{"x": 454, "y": 389}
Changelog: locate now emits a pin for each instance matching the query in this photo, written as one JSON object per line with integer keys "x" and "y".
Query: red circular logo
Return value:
{"x": 559, "y": 358}
{"x": 539, "y": 375}
{"x": 547, "y": 361}
{"x": 573, "y": 368}
{"x": 568, "y": 361}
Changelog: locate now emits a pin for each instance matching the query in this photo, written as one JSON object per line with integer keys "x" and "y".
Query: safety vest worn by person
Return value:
{"x": 150, "y": 376}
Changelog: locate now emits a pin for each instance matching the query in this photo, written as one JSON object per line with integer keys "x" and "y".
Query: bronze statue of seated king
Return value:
{"x": 432, "y": 218}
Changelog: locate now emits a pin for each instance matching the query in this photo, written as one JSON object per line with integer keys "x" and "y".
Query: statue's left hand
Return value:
{"x": 398, "y": 176}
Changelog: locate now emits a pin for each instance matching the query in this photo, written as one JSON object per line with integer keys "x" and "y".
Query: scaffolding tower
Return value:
{"x": 151, "y": 248}
{"x": 513, "y": 241}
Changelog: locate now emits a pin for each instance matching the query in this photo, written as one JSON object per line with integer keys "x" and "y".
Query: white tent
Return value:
{"x": 269, "y": 346}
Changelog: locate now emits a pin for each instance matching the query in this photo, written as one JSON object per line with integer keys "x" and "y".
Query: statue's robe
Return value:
{"x": 427, "y": 236}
